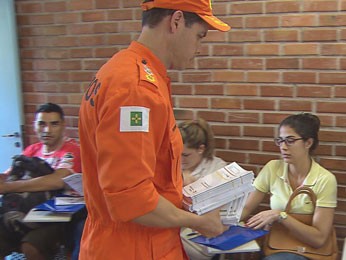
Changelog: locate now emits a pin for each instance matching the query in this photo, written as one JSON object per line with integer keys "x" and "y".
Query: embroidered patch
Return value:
{"x": 149, "y": 74}
{"x": 151, "y": 78}
{"x": 134, "y": 119}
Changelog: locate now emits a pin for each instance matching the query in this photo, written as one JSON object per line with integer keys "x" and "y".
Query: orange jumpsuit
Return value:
{"x": 124, "y": 172}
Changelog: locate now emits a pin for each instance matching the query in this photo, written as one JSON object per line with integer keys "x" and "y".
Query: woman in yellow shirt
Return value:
{"x": 298, "y": 138}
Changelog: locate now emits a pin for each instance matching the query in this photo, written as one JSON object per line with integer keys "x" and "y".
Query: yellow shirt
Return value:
{"x": 273, "y": 179}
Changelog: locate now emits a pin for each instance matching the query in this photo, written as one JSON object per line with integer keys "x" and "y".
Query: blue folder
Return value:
{"x": 49, "y": 205}
{"x": 232, "y": 238}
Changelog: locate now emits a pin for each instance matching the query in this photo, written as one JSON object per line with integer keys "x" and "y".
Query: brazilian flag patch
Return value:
{"x": 134, "y": 119}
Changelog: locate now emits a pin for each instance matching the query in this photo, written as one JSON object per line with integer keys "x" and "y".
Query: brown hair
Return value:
{"x": 196, "y": 133}
{"x": 306, "y": 125}
{"x": 154, "y": 16}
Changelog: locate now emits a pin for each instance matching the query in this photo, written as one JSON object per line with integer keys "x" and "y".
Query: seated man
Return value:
{"x": 63, "y": 155}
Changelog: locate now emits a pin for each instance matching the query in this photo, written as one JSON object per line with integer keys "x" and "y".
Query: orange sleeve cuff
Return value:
{"x": 133, "y": 202}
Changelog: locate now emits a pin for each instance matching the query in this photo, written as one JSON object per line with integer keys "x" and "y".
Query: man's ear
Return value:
{"x": 177, "y": 20}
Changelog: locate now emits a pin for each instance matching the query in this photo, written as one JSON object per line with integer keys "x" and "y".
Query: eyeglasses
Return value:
{"x": 288, "y": 140}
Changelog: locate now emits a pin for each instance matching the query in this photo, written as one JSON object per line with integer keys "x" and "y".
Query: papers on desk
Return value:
{"x": 187, "y": 234}
{"x": 235, "y": 236}
{"x": 49, "y": 211}
{"x": 50, "y": 205}
{"x": 227, "y": 187}
{"x": 68, "y": 200}
{"x": 75, "y": 182}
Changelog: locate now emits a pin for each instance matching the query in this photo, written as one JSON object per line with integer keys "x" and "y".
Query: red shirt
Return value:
{"x": 67, "y": 156}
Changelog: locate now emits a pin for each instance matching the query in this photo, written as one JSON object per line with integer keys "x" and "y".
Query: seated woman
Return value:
{"x": 298, "y": 138}
{"x": 198, "y": 160}
{"x": 198, "y": 157}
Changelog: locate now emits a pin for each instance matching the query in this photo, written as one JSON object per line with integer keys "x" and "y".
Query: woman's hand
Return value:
{"x": 264, "y": 218}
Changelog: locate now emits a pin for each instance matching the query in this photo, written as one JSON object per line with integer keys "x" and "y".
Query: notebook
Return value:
{"x": 233, "y": 237}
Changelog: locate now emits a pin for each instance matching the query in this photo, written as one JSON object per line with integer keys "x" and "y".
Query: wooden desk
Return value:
{"x": 249, "y": 247}
{"x": 44, "y": 216}
{"x": 47, "y": 216}
{"x": 49, "y": 211}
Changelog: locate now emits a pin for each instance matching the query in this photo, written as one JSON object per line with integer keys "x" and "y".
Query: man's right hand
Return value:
{"x": 210, "y": 224}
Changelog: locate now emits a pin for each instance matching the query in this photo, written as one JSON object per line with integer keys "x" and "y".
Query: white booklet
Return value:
{"x": 230, "y": 173}
{"x": 75, "y": 181}
{"x": 227, "y": 187}
{"x": 68, "y": 200}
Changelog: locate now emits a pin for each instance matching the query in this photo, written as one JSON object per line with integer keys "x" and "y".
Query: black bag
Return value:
{"x": 16, "y": 205}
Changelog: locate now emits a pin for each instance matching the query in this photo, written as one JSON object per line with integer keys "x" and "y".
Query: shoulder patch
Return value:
{"x": 146, "y": 73}
{"x": 134, "y": 119}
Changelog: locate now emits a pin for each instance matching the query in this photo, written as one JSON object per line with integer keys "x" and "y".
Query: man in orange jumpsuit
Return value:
{"x": 130, "y": 144}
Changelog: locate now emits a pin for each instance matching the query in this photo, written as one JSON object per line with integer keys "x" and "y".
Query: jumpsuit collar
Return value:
{"x": 148, "y": 55}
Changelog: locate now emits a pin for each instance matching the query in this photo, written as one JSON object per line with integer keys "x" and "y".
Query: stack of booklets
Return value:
{"x": 227, "y": 187}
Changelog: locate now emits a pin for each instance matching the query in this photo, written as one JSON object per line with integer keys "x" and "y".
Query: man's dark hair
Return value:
{"x": 153, "y": 16}
{"x": 49, "y": 108}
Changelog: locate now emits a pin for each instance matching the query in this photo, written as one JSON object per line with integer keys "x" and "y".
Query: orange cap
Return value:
{"x": 200, "y": 7}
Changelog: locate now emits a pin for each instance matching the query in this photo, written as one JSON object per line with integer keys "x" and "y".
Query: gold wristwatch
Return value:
{"x": 282, "y": 216}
